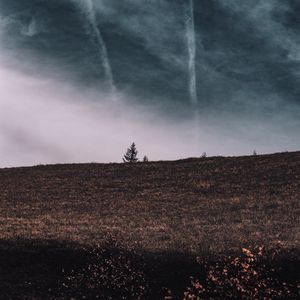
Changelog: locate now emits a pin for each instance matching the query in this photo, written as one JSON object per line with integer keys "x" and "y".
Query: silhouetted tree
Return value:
{"x": 145, "y": 159}
{"x": 131, "y": 154}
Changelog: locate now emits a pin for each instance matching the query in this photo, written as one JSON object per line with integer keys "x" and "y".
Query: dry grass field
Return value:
{"x": 161, "y": 215}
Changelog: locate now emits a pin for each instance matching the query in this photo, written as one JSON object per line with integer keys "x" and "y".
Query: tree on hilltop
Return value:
{"x": 131, "y": 154}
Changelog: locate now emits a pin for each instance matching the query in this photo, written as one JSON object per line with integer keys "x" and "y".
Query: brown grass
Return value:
{"x": 214, "y": 205}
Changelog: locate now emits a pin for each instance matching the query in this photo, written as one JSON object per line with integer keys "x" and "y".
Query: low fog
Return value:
{"x": 44, "y": 121}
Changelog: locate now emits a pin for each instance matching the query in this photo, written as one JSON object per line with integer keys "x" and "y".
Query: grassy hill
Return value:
{"x": 199, "y": 206}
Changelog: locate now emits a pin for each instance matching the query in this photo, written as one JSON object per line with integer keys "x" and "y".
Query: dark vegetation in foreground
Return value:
{"x": 52, "y": 270}
{"x": 140, "y": 231}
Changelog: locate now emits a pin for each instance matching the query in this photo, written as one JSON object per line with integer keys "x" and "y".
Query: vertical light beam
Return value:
{"x": 96, "y": 33}
{"x": 191, "y": 44}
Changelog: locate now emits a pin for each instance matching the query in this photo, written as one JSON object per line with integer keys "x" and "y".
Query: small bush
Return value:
{"x": 255, "y": 274}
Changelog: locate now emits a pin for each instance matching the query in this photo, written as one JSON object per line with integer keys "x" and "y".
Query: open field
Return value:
{"x": 171, "y": 211}
{"x": 211, "y": 204}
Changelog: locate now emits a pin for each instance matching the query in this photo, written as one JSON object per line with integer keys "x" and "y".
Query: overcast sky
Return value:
{"x": 82, "y": 79}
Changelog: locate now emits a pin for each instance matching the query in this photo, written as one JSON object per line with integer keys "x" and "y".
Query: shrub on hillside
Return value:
{"x": 255, "y": 274}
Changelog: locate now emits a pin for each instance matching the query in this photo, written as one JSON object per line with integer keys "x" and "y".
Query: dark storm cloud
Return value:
{"x": 249, "y": 46}
{"x": 247, "y": 67}
{"x": 146, "y": 48}
{"x": 52, "y": 35}
{"x": 262, "y": 46}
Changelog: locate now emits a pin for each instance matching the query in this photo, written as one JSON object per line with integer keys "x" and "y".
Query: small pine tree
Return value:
{"x": 131, "y": 154}
{"x": 254, "y": 153}
{"x": 145, "y": 159}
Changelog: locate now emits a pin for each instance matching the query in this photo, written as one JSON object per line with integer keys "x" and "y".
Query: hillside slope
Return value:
{"x": 213, "y": 205}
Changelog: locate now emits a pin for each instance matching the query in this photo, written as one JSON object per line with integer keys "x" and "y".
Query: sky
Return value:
{"x": 80, "y": 80}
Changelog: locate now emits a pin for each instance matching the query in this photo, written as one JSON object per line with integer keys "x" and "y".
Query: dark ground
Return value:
{"x": 150, "y": 221}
